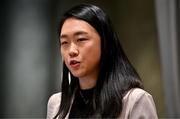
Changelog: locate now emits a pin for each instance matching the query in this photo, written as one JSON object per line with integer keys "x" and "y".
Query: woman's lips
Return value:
{"x": 74, "y": 64}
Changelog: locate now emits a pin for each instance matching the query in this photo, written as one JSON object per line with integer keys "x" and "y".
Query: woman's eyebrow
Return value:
{"x": 63, "y": 36}
{"x": 75, "y": 34}
{"x": 80, "y": 33}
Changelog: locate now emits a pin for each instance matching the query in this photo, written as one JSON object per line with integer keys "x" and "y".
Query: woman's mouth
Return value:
{"x": 74, "y": 64}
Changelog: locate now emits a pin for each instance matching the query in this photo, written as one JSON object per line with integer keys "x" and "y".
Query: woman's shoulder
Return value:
{"x": 55, "y": 98}
{"x": 53, "y": 105}
{"x": 138, "y": 103}
{"x": 136, "y": 94}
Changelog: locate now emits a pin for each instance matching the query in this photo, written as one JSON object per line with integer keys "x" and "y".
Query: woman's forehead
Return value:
{"x": 76, "y": 27}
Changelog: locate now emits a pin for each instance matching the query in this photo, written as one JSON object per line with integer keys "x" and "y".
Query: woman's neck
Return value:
{"x": 87, "y": 82}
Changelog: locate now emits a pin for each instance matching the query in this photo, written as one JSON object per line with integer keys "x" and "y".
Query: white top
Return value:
{"x": 137, "y": 104}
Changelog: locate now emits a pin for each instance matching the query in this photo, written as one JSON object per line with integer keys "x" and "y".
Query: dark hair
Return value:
{"x": 116, "y": 75}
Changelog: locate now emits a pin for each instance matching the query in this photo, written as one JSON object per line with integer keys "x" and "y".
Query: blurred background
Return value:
{"x": 30, "y": 62}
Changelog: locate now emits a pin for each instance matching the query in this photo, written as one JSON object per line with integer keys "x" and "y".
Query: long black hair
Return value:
{"x": 116, "y": 75}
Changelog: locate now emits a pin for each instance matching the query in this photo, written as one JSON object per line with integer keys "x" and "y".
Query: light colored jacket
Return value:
{"x": 137, "y": 104}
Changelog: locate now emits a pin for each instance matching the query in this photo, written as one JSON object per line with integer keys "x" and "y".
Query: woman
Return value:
{"x": 98, "y": 80}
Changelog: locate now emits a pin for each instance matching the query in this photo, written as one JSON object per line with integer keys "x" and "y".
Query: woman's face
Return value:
{"x": 80, "y": 48}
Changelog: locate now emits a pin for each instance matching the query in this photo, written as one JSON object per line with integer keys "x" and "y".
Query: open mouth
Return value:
{"x": 74, "y": 63}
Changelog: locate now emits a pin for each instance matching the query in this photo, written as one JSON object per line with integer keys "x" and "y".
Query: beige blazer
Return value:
{"x": 137, "y": 104}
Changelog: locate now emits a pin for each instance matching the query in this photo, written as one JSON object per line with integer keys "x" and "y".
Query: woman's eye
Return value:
{"x": 81, "y": 39}
{"x": 64, "y": 42}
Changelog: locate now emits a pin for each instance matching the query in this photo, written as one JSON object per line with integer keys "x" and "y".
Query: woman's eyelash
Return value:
{"x": 82, "y": 39}
{"x": 64, "y": 42}
{"x": 79, "y": 39}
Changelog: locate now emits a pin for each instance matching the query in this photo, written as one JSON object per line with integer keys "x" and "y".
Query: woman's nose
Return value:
{"x": 73, "y": 51}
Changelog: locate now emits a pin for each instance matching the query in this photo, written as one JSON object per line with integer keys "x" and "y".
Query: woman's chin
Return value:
{"x": 76, "y": 74}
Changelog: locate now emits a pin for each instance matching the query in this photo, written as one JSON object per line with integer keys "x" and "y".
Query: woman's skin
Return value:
{"x": 81, "y": 51}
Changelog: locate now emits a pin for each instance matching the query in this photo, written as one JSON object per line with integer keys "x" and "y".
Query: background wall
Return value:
{"x": 30, "y": 60}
